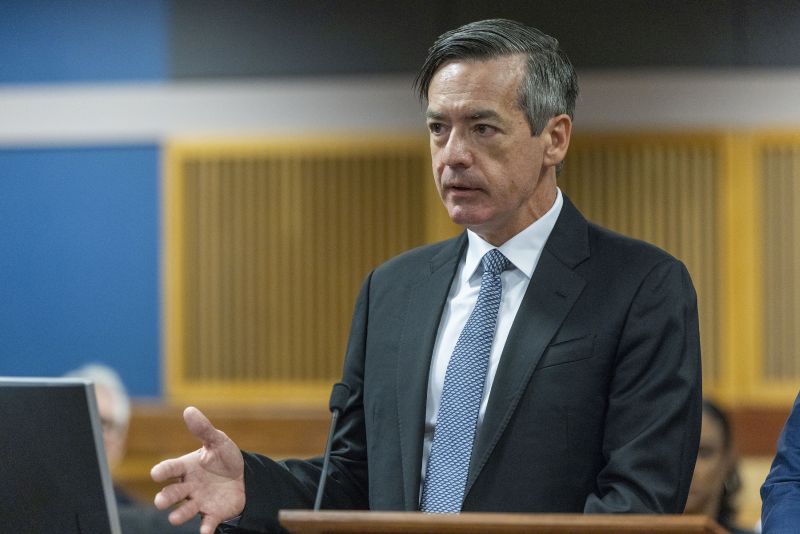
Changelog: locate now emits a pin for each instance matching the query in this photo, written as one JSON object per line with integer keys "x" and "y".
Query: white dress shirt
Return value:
{"x": 523, "y": 251}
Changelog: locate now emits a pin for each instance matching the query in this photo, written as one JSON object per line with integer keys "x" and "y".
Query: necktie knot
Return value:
{"x": 494, "y": 262}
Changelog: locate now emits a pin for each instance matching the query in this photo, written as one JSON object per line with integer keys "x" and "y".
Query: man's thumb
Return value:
{"x": 200, "y": 427}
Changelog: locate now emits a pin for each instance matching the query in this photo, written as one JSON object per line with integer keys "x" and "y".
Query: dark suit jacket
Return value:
{"x": 780, "y": 493}
{"x": 595, "y": 406}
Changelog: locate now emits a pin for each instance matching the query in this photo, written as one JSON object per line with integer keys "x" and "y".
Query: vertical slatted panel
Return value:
{"x": 661, "y": 190}
{"x": 276, "y": 240}
{"x": 780, "y": 176}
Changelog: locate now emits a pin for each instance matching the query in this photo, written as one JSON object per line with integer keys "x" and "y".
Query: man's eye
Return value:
{"x": 435, "y": 127}
{"x": 484, "y": 129}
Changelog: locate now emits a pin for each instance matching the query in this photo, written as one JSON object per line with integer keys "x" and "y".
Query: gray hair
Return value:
{"x": 106, "y": 377}
{"x": 550, "y": 87}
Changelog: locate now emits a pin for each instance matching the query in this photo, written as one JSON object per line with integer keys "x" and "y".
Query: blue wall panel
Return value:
{"x": 79, "y": 256}
{"x": 83, "y": 40}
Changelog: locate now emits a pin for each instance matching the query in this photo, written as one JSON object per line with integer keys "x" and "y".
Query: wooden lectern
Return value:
{"x": 344, "y": 522}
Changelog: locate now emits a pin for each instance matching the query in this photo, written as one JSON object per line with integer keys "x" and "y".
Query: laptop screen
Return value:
{"x": 53, "y": 471}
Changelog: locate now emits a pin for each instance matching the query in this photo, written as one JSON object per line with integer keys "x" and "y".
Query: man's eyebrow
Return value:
{"x": 475, "y": 115}
{"x": 484, "y": 114}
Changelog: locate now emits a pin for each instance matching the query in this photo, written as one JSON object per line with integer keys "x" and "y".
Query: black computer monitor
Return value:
{"x": 53, "y": 471}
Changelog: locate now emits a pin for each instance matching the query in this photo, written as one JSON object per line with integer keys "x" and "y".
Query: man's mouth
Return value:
{"x": 460, "y": 186}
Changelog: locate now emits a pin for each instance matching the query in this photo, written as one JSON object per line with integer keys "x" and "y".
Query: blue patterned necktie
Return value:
{"x": 448, "y": 463}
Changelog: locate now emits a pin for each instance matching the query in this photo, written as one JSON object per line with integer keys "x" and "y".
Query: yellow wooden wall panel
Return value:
{"x": 272, "y": 241}
{"x": 778, "y": 165}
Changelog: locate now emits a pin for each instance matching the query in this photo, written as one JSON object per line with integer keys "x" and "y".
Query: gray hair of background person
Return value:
{"x": 550, "y": 87}
{"x": 106, "y": 377}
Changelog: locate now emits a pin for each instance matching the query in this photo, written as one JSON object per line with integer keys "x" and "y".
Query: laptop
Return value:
{"x": 53, "y": 471}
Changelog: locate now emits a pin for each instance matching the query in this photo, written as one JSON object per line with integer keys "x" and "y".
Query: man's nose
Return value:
{"x": 457, "y": 152}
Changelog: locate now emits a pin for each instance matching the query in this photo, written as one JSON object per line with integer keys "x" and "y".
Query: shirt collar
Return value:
{"x": 522, "y": 250}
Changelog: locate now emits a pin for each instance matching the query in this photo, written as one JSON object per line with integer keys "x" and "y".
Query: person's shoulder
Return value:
{"x": 624, "y": 249}
{"x": 605, "y": 248}
{"x": 623, "y": 261}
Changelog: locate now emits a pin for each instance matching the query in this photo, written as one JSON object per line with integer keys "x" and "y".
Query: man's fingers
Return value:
{"x": 192, "y": 474}
{"x": 163, "y": 471}
{"x": 209, "y": 524}
{"x": 172, "y": 468}
{"x": 172, "y": 494}
{"x": 201, "y": 428}
{"x": 183, "y": 513}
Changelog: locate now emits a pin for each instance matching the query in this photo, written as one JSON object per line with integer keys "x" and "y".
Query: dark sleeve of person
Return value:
{"x": 652, "y": 427}
{"x": 271, "y": 486}
{"x": 780, "y": 494}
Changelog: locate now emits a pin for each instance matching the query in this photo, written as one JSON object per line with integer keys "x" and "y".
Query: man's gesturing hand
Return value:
{"x": 210, "y": 480}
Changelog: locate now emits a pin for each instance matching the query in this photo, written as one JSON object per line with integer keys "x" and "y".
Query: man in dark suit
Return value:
{"x": 536, "y": 363}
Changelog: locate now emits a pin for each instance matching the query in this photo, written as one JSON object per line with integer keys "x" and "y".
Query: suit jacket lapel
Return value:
{"x": 423, "y": 313}
{"x": 553, "y": 290}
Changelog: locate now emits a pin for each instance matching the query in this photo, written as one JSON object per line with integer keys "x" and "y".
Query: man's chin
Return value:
{"x": 468, "y": 218}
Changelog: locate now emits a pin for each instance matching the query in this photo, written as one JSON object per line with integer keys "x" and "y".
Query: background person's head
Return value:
{"x": 113, "y": 405}
{"x": 716, "y": 478}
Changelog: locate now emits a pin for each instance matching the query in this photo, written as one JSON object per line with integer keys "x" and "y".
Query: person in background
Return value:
{"x": 780, "y": 494}
{"x": 114, "y": 408}
{"x": 716, "y": 475}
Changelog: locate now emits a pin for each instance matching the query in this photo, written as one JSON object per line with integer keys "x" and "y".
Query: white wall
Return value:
{"x": 77, "y": 114}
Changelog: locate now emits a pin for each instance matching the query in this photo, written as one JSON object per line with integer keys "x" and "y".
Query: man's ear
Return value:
{"x": 556, "y": 135}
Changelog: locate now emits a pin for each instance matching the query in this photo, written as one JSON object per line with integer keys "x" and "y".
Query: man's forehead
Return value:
{"x": 485, "y": 80}
{"x": 510, "y": 65}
